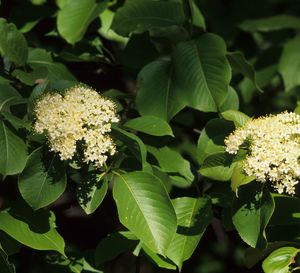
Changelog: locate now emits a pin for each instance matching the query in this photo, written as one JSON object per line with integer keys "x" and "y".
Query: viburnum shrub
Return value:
{"x": 149, "y": 136}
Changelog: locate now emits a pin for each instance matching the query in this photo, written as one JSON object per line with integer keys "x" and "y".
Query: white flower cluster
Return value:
{"x": 273, "y": 144}
{"x": 80, "y": 114}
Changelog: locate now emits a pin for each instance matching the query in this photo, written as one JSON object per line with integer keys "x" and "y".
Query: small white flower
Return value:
{"x": 273, "y": 149}
{"x": 80, "y": 114}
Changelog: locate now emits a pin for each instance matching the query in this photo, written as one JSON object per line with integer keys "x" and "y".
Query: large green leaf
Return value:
{"x": 13, "y": 45}
{"x": 211, "y": 140}
{"x": 150, "y": 125}
{"x": 74, "y": 18}
{"x": 279, "y": 261}
{"x": 193, "y": 215}
{"x": 144, "y": 207}
{"x": 251, "y": 212}
{"x": 5, "y": 265}
{"x": 272, "y": 23}
{"x": 13, "y": 152}
{"x": 91, "y": 191}
{"x": 33, "y": 229}
{"x": 43, "y": 180}
{"x": 39, "y": 58}
{"x": 157, "y": 93}
{"x": 289, "y": 64}
{"x": 172, "y": 162}
{"x": 202, "y": 72}
{"x": 144, "y": 15}
{"x": 231, "y": 101}
{"x": 218, "y": 166}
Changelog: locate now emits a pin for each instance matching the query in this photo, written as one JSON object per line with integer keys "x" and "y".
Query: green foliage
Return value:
{"x": 43, "y": 180}
{"x": 13, "y": 151}
{"x": 150, "y": 125}
{"x": 81, "y": 14}
{"x": 251, "y": 212}
{"x": 137, "y": 194}
{"x": 12, "y": 43}
{"x": 33, "y": 229}
{"x": 182, "y": 78}
{"x": 280, "y": 260}
{"x": 193, "y": 216}
{"x": 139, "y": 16}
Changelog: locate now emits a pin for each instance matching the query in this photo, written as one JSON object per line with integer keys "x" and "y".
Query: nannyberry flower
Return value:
{"x": 273, "y": 145}
{"x": 80, "y": 114}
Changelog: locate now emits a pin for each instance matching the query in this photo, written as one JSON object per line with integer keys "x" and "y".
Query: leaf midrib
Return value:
{"x": 153, "y": 237}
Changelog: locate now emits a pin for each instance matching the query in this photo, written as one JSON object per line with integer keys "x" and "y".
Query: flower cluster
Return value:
{"x": 80, "y": 114}
{"x": 273, "y": 144}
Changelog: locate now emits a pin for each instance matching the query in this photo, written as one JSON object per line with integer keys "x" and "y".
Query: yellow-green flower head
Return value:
{"x": 80, "y": 114}
{"x": 273, "y": 144}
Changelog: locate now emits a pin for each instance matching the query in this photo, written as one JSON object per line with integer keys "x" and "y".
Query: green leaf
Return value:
{"x": 150, "y": 125}
{"x": 193, "y": 215}
{"x": 254, "y": 255}
{"x": 38, "y": 58}
{"x": 239, "y": 64}
{"x": 289, "y": 63}
{"x": 81, "y": 14}
{"x": 157, "y": 259}
{"x": 16, "y": 122}
{"x": 218, "y": 167}
{"x": 144, "y": 207}
{"x": 43, "y": 180}
{"x": 91, "y": 192}
{"x": 172, "y": 162}
{"x": 5, "y": 265}
{"x": 139, "y": 16}
{"x": 157, "y": 92}
{"x": 196, "y": 15}
{"x": 114, "y": 245}
{"x": 7, "y": 94}
{"x": 13, "y": 152}
{"x": 231, "y": 101}
{"x": 238, "y": 177}
{"x": 134, "y": 144}
{"x": 106, "y": 20}
{"x": 237, "y": 117}
{"x": 211, "y": 140}
{"x": 251, "y": 212}
{"x": 13, "y": 45}
{"x": 31, "y": 78}
{"x": 272, "y": 23}
{"x": 202, "y": 72}
{"x": 280, "y": 260}
{"x": 33, "y": 229}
